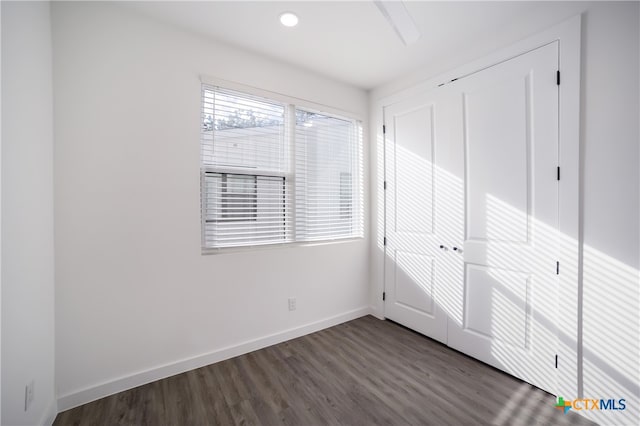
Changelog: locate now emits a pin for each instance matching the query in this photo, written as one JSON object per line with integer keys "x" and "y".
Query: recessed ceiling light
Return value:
{"x": 289, "y": 19}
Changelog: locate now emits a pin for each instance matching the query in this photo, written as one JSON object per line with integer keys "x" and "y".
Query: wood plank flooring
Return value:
{"x": 363, "y": 372}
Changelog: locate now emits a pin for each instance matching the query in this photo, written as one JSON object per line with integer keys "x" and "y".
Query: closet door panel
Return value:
{"x": 508, "y": 136}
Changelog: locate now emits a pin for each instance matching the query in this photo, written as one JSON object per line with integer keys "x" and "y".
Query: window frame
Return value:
{"x": 291, "y": 103}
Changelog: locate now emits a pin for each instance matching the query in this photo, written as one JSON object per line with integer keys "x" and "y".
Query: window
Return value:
{"x": 326, "y": 161}
{"x": 274, "y": 172}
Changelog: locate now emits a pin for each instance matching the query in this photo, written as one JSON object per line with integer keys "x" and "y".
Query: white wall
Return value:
{"x": 27, "y": 214}
{"x": 135, "y": 299}
{"x": 610, "y": 143}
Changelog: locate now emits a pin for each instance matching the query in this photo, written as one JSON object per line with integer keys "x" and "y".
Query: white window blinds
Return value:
{"x": 327, "y": 177}
{"x": 274, "y": 173}
{"x": 245, "y": 170}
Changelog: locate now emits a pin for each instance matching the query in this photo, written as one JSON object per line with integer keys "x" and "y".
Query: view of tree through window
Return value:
{"x": 246, "y": 118}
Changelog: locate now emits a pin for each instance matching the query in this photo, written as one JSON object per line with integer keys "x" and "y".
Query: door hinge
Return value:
{"x": 384, "y": 295}
{"x": 384, "y": 129}
{"x": 558, "y": 172}
{"x": 384, "y": 241}
{"x": 558, "y": 77}
{"x": 556, "y": 360}
{"x": 384, "y": 184}
{"x": 557, "y": 268}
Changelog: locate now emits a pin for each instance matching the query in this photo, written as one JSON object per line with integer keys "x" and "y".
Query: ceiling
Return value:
{"x": 351, "y": 41}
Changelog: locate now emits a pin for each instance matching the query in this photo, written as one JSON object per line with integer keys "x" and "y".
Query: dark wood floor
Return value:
{"x": 363, "y": 372}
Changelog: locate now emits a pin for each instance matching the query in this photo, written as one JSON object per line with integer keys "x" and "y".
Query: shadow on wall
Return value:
{"x": 611, "y": 366}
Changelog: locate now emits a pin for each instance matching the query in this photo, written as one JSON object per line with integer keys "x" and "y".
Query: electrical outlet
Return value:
{"x": 292, "y": 303}
{"x": 29, "y": 394}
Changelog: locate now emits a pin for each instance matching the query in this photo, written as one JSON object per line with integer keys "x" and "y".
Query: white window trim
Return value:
{"x": 291, "y": 102}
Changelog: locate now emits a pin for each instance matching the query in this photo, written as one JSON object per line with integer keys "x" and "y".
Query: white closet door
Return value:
{"x": 416, "y": 268}
{"x": 506, "y": 135}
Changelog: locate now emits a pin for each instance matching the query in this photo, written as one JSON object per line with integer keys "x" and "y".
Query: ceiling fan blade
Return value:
{"x": 398, "y": 16}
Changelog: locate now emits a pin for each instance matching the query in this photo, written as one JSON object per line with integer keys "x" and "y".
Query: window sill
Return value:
{"x": 243, "y": 249}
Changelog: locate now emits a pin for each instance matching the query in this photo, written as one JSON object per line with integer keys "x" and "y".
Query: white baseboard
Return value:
{"x": 74, "y": 399}
{"x": 49, "y": 416}
{"x": 376, "y": 312}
